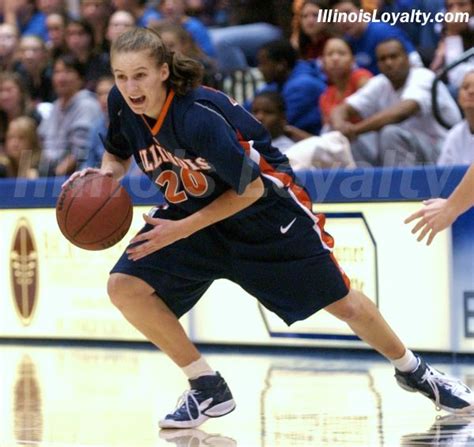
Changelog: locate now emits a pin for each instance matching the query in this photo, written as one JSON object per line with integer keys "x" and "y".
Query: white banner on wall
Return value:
{"x": 52, "y": 289}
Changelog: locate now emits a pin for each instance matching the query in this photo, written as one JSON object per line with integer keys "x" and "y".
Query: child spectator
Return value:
{"x": 298, "y": 81}
{"x": 269, "y": 109}
{"x": 458, "y": 148}
{"x": 22, "y": 149}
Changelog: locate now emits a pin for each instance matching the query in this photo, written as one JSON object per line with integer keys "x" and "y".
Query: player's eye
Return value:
{"x": 120, "y": 77}
{"x": 140, "y": 75}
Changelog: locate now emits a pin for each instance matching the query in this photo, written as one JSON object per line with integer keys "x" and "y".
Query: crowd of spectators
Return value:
{"x": 365, "y": 84}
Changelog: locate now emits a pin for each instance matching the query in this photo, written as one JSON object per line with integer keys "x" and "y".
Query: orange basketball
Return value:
{"x": 94, "y": 212}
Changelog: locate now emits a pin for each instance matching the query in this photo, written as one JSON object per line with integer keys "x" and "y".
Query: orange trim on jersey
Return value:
{"x": 285, "y": 179}
{"x": 163, "y": 112}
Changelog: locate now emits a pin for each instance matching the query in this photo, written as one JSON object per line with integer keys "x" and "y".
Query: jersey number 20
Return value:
{"x": 194, "y": 184}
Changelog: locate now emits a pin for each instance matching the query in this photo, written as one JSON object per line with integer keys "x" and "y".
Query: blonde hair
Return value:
{"x": 185, "y": 73}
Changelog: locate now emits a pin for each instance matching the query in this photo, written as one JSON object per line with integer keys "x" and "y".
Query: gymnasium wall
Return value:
{"x": 51, "y": 289}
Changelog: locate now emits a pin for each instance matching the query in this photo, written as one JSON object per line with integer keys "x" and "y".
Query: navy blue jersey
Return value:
{"x": 201, "y": 145}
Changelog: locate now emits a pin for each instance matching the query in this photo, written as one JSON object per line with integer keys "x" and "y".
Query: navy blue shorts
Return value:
{"x": 280, "y": 255}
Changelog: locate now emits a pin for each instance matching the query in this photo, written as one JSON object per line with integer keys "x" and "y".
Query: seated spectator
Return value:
{"x": 97, "y": 13}
{"x": 175, "y": 11}
{"x": 99, "y": 130}
{"x": 8, "y": 46}
{"x": 138, "y": 8}
{"x": 343, "y": 78}
{"x": 56, "y": 25}
{"x": 269, "y": 109}
{"x": 425, "y": 38}
{"x": 458, "y": 148}
{"x": 119, "y": 22}
{"x": 65, "y": 132}
{"x": 396, "y": 104}
{"x": 458, "y": 37}
{"x": 14, "y": 102}
{"x": 177, "y": 39}
{"x": 80, "y": 43}
{"x": 299, "y": 82}
{"x": 310, "y": 35}
{"x": 22, "y": 149}
{"x": 35, "y": 69}
{"x": 25, "y": 15}
{"x": 364, "y": 37}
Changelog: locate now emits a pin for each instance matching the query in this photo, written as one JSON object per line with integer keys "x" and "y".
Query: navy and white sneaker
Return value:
{"x": 209, "y": 397}
{"x": 447, "y": 393}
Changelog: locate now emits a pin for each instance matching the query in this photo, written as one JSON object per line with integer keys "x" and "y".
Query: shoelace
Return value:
{"x": 184, "y": 399}
{"x": 434, "y": 379}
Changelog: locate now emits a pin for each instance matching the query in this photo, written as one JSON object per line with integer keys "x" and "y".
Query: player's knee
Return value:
{"x": 346, "y": 309}
{"x": 119, "y": 289}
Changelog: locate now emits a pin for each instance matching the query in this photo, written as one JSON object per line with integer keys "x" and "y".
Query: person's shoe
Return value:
{"x": 447, "y": 431}
{"x": 447, "y": 393}
{"x": 192, "y": 437}
{"x": 209, "y": 397}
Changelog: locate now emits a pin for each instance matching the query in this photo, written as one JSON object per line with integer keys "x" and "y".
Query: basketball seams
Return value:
{"x": 106, "y": 213}
{"x": 119, "y": 237}
{"x": 96, "y": 211}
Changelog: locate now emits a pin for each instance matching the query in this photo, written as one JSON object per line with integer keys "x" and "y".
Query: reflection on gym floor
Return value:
{"x": 62, "y": 396}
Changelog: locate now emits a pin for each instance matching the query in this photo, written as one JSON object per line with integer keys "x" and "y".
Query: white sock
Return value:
{"x": 198, "y": 368}
{"x": 407, "y": 363}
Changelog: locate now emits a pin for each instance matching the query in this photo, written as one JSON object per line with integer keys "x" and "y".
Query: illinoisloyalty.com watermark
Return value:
{"x": 391, "y": 18}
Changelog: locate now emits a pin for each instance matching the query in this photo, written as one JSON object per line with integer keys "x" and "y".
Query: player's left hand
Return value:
{"x": 434, "y": 217}
{"x": 163, "y": 233}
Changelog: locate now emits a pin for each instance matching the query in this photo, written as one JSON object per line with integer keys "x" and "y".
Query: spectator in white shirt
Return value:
{"x": 458, "y": 148}
{"x": 397, "y": 105}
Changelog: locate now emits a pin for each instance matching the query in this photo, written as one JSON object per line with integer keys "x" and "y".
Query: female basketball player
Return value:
{"x": 438, "y": 214}
{"x": 233, "y": 211}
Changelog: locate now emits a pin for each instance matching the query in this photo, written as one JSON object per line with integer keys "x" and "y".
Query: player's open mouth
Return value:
{"x": 137, "y": 100}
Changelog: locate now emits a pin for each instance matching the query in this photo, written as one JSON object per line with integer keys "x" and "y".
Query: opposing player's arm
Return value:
{"x": 438, "y": 214}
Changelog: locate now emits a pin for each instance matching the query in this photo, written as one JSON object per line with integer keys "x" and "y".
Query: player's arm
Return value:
{"x": 115, "y": 166}
{"x": 165, "y": 232}
{"x": 438, "y": 214}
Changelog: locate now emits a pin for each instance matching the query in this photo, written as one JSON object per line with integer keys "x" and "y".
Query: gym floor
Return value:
{"x": 65, "y": 395}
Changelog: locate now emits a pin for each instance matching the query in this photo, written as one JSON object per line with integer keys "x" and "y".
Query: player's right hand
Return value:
{"x": 84, "y": 172}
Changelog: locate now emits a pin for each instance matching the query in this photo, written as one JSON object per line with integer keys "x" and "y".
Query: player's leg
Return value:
{"x": 151, "y": 316}
{"x": 411, "y": 372}
{"x": 364, "y": 318}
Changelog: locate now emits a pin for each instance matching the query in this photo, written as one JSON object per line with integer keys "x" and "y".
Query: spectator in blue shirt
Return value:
{"x": 298, "y": 81}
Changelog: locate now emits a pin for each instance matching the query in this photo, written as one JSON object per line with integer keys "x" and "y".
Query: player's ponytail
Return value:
{"x": 185, "y": 73}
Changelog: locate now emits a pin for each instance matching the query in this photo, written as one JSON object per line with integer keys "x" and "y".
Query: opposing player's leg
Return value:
{"x": 411, "y": 372}
{"x": 209, "y": 395}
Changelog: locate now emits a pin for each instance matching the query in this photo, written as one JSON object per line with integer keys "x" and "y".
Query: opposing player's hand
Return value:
{"x": 434, "y": 217}
{"x": 163, "y": 233}
{"x": 84, "y": 172}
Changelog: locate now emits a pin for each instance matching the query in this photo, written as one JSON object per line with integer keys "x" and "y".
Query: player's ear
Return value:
{"x": 164, "y": 72}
